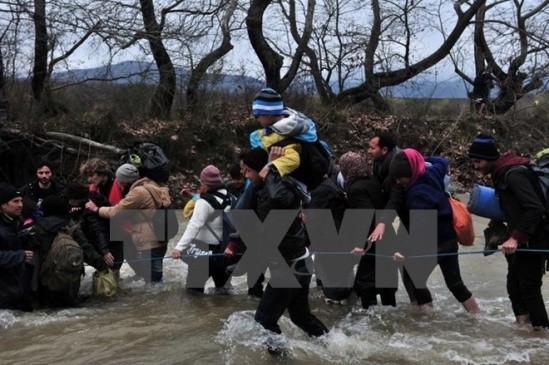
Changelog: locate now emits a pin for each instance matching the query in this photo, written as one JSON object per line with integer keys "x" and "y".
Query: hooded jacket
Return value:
{"x": 518, "y": 198}
{"x": 428, "y": 192}
{"x": 139, "y": 205}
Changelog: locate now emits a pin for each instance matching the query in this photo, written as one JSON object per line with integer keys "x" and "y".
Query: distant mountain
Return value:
{"x": 135, "y": 72}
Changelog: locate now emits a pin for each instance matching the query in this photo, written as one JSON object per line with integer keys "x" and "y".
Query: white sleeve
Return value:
{"x": 201, "y": 213}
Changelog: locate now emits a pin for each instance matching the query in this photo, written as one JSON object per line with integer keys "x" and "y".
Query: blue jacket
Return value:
{"x": 428, "y": 192}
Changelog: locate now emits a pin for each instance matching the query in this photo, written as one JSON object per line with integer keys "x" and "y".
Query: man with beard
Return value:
{"x": 44, "y": 185}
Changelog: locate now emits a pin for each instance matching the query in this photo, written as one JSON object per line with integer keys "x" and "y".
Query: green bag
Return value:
{"x": 105, "y": 283}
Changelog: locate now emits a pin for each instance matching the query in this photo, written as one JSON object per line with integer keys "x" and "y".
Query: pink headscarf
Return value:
{"x": 417, "y": 163}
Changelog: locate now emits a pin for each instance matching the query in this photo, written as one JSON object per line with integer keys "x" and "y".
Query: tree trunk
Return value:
{"x": 200, "y": 70}
{"x": 379, "y": 80}
{"x": 271, "y": 61}
{"x": 39, "y": 73}
{"x": 162, "y": 100}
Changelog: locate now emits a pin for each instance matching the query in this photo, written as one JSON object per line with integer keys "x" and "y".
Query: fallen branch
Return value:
{"x": 37, "y": 141}
{"x": 85, "y": 141}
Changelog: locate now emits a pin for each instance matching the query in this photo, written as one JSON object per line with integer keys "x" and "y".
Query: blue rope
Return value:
{"x": 530, "y": 250}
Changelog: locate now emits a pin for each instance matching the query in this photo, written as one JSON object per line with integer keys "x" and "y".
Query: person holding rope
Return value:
{"x": 205, "y": 231}
{"x": 145, "y": 254}
{"x": 523, "y": 209}
{"x": 424, "y": 190}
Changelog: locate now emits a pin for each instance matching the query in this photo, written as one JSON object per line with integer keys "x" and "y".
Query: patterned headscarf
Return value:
{"x": 353, "y": 165}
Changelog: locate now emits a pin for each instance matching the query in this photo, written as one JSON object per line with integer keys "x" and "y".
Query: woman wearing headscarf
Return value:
{"x": 424, "y": 189}
{"x": 363, "y": 191}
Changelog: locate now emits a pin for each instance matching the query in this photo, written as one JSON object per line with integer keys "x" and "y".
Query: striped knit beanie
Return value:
{"x": 267, "y": 102}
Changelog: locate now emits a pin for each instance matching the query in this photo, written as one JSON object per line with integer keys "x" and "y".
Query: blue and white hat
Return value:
{"x": 267, "y": 102}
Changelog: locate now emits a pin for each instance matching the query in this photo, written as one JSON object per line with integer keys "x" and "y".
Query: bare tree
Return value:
{"x": 176, "y": 31}
{"x": 510, "y": 41}
{"x": 361, "y": 47}
{"x": 265, "y": 46}
{"x": 58, "y": 33}
{"x": 198, "y": 72}
{"x": 162, "y": 99}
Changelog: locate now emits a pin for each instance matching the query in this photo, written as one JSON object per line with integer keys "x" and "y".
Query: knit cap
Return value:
{"x": 484, "y": 148}
{"x": 256, "y": 158}
{"x": 210, "y": 176}
{"x": 267, "y": 102}
{"x": 8, "y": 192}
{"x": 127, "y": 173}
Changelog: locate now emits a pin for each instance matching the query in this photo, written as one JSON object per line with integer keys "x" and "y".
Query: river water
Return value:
{"x": 163, "y": 324}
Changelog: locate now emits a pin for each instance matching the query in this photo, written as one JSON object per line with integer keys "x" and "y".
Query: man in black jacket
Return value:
{"x": 14, "y": 273}
{"x": 44, "y": 185}
{"x": 523, "y": 209}
{"x": 56, "y": 218}
{"x": 382, "y": 148}
{"x": 275, "y": 193}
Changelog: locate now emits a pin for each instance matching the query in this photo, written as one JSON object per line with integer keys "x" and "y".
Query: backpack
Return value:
{"x": 462, "y": 222}
{"x": 64, "y": 262}
{"x": 539, "y": 169}
{"x": 314, "y": 162}
{"x": 228, "y": 226}
{"x": 150, "y": 159}
{"x": 164, "y": 221}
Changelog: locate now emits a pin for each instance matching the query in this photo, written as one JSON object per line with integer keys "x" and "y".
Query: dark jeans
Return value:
{"x": 524, "y": 280}
{"x": 147, "y": 263}
{"x": 449, "y": 265}
{"x": 276, "y": 300}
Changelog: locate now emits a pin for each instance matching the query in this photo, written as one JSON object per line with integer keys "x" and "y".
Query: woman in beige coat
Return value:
{"x": 131, "y": 220}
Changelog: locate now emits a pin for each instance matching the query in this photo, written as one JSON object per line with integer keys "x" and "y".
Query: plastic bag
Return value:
{"x": 463, "y": 223}
{"x": 105, "y": 283}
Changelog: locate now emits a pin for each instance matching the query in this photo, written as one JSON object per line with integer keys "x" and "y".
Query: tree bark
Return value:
{"x": 40, "y": 67}
{"x": 379, "y": 80}
{"x": 205, "y": 63}
{"x": 162, "y": 99}
{"x": 271, "y": 60}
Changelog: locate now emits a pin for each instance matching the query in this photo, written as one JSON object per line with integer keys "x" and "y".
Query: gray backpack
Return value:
{"x": 64, "y": 262}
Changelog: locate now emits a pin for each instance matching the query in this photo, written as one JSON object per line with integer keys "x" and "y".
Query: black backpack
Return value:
{"x": 538, "y": 174}
{"x": 314, "y": 162}
{"x": 150, "y": 159}
{"x": 228, "y": 226}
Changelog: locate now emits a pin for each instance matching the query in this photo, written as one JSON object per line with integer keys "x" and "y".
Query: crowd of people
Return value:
{"x": 266, "y": 180}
